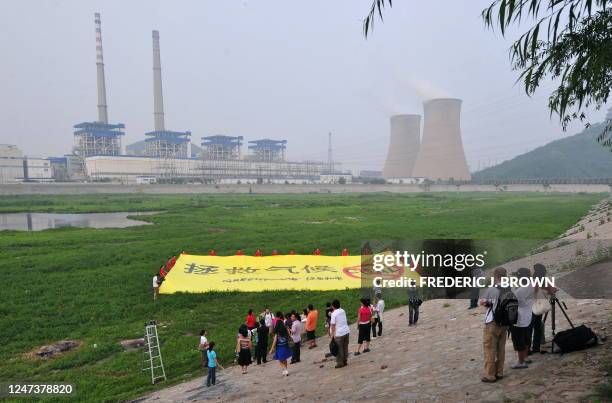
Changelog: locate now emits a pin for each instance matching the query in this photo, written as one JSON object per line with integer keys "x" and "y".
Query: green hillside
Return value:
{"x": 575, "y": 157}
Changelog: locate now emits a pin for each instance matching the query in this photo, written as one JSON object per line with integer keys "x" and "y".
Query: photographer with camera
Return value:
{"x": 521, "y": 330}
{"x": 541, "y": 306}
{"x": 494, "y": 334}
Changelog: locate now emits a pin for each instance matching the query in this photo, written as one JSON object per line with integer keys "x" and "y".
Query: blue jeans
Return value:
{"x": 211, "y": 378}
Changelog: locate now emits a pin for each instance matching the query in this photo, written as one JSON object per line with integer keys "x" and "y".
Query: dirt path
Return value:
{"x": 440, "y": 359}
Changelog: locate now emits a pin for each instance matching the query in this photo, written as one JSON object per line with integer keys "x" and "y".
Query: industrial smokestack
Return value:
{"x": 403, "y": 146}
{"x": 158, "y": 97}
{"x": 441, "y": 155}
{"x": 102, "y": 110}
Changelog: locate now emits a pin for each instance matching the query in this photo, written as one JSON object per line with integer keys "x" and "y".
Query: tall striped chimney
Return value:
{"x": 102, "y": 110}
{"x": 158, "y": 97}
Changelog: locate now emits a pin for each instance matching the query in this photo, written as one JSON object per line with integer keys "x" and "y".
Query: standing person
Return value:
{"x": 243, "y": 348}
{"x": 477, "y": 273}
{"x": 280, "y": 344}
{"x": 296, "y": 336}
{"x": 261, "y": 350}
{"x": 414, "y": 302}
{"x": 155, "y": 287}
{"x": 267, "y": 316}
{"x": 212, "y": 364}
{"x": 494, "y": 335}
{"x": 520, "y": 333}
{"x": 328, "y": 312}
{"x": 364, "y": 316}
{"x": 340, "y": 331}
{"x": 379, "y": 308}
{"x": 311, "y": 326}
{"x": 203, "y": 346}
{"x": 250, "y": 320}
{"x": 541, "y": 305}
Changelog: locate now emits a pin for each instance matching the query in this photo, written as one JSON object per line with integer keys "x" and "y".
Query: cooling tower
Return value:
{"x": 158, "y": 97}
{"x": 102, "y": 111}
{"x": 403, "y": 146}
{"x": 441, "y": 154}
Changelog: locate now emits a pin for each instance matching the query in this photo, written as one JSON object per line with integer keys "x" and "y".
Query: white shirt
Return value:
{"x": 491, "y": 295}
{"x": 155, "y": 285}
{"x": 380, "y": 308}
{"x": 296, "y": 331}
{"x": 338, "y": 318}
{"x": 203, "y": 340}
{"x": 525, "y": 298}
{"x": 268, "y": 319}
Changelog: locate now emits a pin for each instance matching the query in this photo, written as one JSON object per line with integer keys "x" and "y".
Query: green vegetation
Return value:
{"x": 577, "y": 156}
{"x": 94, "y": 285}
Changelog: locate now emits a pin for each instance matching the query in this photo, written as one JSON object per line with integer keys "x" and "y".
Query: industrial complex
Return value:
{"x": 167, "y": 156}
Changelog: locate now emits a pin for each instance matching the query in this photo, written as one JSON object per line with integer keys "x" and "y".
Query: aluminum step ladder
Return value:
{"x": 152, "y": 354}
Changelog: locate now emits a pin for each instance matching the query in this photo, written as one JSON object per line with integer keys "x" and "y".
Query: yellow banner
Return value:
{"x": 193, "y": 273}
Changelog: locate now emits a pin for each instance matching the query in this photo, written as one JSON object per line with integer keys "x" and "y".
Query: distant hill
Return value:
{"x": 138, "y": 148}
{"x": 576, "y": 157}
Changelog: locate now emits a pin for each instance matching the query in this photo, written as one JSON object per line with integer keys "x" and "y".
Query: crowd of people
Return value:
{"x": 515, "y": 311}
{"x": 281, "y": 336}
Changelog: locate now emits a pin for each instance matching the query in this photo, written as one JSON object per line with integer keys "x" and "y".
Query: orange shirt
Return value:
{"x": 311, "y": 320}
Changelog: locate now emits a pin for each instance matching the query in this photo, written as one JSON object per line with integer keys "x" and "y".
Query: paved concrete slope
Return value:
{"x": 440, "y": 359}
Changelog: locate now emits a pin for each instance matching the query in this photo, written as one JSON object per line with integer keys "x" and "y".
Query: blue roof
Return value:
{"x": 99, "y": 129}
{"x": 268, "y": 144}
{"x": 168, "y": 136}
{"x": 220, "y": 139}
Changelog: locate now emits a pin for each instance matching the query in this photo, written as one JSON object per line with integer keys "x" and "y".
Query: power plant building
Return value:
{"x": 99, "y": 137}
{"x": 403, "y": 146}
{"x": 441, "y": 154}
{"x": 162, "y": 143}
{"x": 166, "y": 155}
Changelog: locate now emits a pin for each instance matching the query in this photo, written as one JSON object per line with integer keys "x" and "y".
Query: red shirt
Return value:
{"x": 317, "y": 251}
{"x": 212, "y": 253}
{"x": 364, "y": 314}
{"x": 170, "y": 263}
{"x": 250, "y": 321}
{"x": 345, "y": 252}
{"x": 239, "y": 252}
{"x": 258, "y": 253}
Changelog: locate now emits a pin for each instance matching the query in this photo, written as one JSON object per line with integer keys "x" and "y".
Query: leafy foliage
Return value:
{"x": 570, "y": 43}
{"x": 377, "y": 8}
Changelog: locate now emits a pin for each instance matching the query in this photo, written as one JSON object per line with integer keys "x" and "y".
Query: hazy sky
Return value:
{"x": 281, "y": 69}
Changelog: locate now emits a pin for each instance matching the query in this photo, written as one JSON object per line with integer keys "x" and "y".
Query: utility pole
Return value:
{"x": 330, "y": 162}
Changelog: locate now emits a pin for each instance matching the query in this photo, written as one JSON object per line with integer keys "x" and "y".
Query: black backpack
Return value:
{"x": 506, "y": 310}
{"x": 575, "y": 339}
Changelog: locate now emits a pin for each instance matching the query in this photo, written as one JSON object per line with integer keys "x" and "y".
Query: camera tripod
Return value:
{"x": 554, "y": 301}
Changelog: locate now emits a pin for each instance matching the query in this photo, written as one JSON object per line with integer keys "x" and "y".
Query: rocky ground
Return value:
{"x": 440, "y": 359}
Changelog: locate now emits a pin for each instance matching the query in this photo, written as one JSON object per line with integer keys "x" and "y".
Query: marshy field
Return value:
{"x": 94, "y": 285}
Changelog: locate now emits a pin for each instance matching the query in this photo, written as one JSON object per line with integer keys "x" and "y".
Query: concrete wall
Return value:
{"x": 94, "y": 188}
